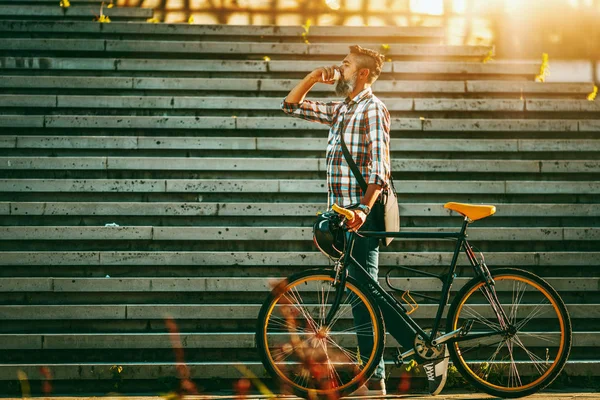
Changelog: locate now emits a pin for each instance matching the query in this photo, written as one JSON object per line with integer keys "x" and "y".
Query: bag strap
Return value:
{"x": 353, "y": 167}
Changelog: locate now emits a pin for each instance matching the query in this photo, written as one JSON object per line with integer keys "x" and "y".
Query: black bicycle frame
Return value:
{"x": 394, "y": 311}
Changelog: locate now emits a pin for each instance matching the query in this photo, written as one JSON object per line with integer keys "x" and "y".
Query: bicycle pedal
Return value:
{"x": 398, "y": 360}
{"x": 466, "y": 328}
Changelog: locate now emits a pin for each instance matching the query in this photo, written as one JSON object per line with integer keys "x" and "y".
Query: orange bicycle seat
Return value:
{"x": 471, "y": 211}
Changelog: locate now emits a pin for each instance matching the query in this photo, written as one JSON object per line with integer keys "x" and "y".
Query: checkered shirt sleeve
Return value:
{"x": 313, "y": 111}
{"x": 377, "y": 123}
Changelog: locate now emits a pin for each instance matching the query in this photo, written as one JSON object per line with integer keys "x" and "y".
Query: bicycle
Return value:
{"x": 508, "y": 331}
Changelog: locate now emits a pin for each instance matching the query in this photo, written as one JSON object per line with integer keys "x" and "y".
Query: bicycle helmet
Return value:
{"x": 328, "y": 236}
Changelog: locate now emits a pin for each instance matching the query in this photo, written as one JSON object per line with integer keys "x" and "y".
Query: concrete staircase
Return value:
{"x": 79, "y": 10}
{"x": 174, "y": 133}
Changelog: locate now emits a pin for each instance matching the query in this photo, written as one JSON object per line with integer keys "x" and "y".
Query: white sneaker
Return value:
{"x": 371, "y": 388}
{"x": 437, "y": 371}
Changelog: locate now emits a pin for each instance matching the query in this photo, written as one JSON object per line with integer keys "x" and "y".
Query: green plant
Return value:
{"x": 117, "y": 378}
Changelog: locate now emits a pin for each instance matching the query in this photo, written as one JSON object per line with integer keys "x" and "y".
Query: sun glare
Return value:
{"x": 333, "y": 4}
{"x": 459, "y": 6}
{"x": 431, "y": 7}
{"x": 512, "y": 6}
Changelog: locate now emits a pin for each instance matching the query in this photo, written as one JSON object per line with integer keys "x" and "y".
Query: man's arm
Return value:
{"x": 373, "y": 192}
{"x": 314, "y": 111}
{"x": 369, "y": 199}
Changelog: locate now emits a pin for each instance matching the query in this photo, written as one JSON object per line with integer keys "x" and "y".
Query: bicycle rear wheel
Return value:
{"x": 522, "y": 345}
{"x": 314, "y": 360}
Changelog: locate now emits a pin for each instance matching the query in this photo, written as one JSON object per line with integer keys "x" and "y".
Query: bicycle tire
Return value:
{"x": 481, "y": 373}
{"x": 272, "y": 352}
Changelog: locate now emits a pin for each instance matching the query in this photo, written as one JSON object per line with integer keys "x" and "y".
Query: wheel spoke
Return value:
{"x": 323, "y": 304}
{"x": 335, "y": 377}
{"x": 299, "y": 305}
{"x": 343, "y": 311}
{"x": 516, "y": 301}
{"x": 514, "y": 371}
{"x": 291, "y": 350}
{"x": 538, "y": 310}
{"x": 490, "y": 361}
{"x": 539, "y": 363}
{"x": 540, "y": 336}
{"x": 289, "y": 326}
{"x": 352, "y": 356}
{"x": 480, "y": 318}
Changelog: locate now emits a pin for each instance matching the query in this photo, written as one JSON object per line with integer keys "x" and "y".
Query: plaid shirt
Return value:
{"x": 365, "y": 122}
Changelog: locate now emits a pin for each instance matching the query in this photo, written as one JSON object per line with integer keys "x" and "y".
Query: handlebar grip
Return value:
{"x": 340, "y": 210}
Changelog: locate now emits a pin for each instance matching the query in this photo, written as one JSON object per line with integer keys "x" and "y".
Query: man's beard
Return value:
{"x": 344, "y": 87}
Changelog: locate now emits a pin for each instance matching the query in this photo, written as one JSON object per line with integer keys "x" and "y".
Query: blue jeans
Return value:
{"x": 366, "y": 252}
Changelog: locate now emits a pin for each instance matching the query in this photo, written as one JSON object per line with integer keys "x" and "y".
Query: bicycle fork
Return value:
{"x": 489, "y": 287}
{"x": 339, "y": 282}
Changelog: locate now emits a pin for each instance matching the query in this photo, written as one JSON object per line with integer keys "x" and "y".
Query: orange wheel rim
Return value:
{"x": 376, "y": 334}
{"x": 562, "y": 334}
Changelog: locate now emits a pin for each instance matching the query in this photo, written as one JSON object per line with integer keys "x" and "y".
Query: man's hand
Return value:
{"x": 325, "y": 74}
{"x": 358, "y": 221}
{"x": 319, "y": 75}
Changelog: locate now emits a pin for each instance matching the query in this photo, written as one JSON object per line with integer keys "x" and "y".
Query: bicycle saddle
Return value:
{"x": 471, "y": 211}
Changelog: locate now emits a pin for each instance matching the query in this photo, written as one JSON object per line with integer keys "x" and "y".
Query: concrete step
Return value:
{"x": 241, "y": 340}
{"x": 293, "y": 164}
{"x": 270, "y": 233}
{"x": 526, "y": 87}
{"x": 285, "y": 85}
{"x": 309, "y": 259}
{"x": 258, "y": 49}
{"x": 289, "y": 186}
{"x": 397, "y": 146}
{"x": 81, "y": 11}
{"x": 211, "y": 32}
{"x": 254, "y": 103}
{"x": 562, "y": 105}
{"x": 201, "y": 370}
{"x": 506, "y": 125}
{"x": 227, "y": 311}
{"x": 238, "y": 285}
{"x": 243, "y": 209}
{"x": 79, "y": 45}
{"x": 500, "y": 67}
{"x": 287, "y": 123}
{"x": 468, "y": 105}
{"x": 444, "y": 68}
{"x": 274, "y": 103}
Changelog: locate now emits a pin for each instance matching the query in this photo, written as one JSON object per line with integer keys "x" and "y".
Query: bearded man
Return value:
{"x": 364, "y": 122}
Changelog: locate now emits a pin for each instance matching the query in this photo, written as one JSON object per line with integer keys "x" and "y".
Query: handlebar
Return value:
{"x": 343, "y": 211}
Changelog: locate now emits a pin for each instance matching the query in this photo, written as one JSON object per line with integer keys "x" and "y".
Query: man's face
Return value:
{"x": 349, "y": 74}
{"x": 348, "y": 66}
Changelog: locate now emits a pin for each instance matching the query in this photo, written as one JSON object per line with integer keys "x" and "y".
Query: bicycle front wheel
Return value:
{"x": 520, "y": 337}
{"x": 311, "y": 358}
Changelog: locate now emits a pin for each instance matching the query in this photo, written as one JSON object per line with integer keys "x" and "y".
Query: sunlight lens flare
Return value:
{"x": 333, "y": 4}
{"x": 431, "y": 7}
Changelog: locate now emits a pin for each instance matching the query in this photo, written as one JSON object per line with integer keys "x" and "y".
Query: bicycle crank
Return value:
{"x": 462, "y": 331}
{"x": 427, "y": 352}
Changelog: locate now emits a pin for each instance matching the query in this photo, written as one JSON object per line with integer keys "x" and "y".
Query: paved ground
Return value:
{"x": 450, "y": 396}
